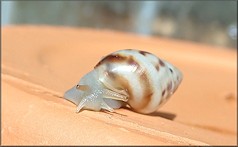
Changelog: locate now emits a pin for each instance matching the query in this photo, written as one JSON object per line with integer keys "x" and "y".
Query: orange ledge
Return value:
{"x": 39, "y": 63}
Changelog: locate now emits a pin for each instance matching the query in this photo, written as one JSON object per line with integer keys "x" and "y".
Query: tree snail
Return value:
{"x": 132, "y": 78}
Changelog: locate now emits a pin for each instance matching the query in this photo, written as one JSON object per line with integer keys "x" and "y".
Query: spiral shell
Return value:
{"x": 126, "y": 77}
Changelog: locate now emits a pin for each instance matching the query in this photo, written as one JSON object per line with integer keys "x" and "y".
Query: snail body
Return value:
{"x": 133, "y": 78}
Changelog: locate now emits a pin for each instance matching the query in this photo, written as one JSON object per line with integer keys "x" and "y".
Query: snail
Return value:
{"x": 126, "y": 78}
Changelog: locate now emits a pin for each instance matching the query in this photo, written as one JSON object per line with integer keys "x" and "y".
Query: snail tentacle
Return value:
{"x": 109, "y": 86}
{"x": 106, "y": 107}
{"x": 81, "y": 105}
{"x": 109, "y": 94}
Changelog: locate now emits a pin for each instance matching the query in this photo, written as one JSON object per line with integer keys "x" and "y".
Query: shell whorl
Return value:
{"x": 141, "y": 74}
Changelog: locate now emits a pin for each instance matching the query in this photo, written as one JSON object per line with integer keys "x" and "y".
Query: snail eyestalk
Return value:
{"x": 82, "y": 87}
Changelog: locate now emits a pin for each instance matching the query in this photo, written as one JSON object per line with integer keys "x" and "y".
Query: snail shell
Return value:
{"x": 133, "y": 78}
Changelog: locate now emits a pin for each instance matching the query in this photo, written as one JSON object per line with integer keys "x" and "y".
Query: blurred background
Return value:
{"x": 208, "y": 22}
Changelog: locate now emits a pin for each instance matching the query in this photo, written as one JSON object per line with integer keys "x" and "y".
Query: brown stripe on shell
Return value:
{"x": 143, "y": 53}
{"x": 112, "y": 58}
{"x": 123, "y": 83}
{"x": 132, "y": 61}
{"x": 171, "y": 70}
{"x": 161, "y": 63}
{"x": 163, "y": 98}
{"x": 157, "y": 67}
{"x": 148, "y": 91}
{"x": 163, "y": 92}
{"x": 144, "y": 82}
{"x": 169, "y": 87}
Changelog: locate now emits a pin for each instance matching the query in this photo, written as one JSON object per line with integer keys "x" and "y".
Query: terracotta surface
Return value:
{"x": 39, "y": 63}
